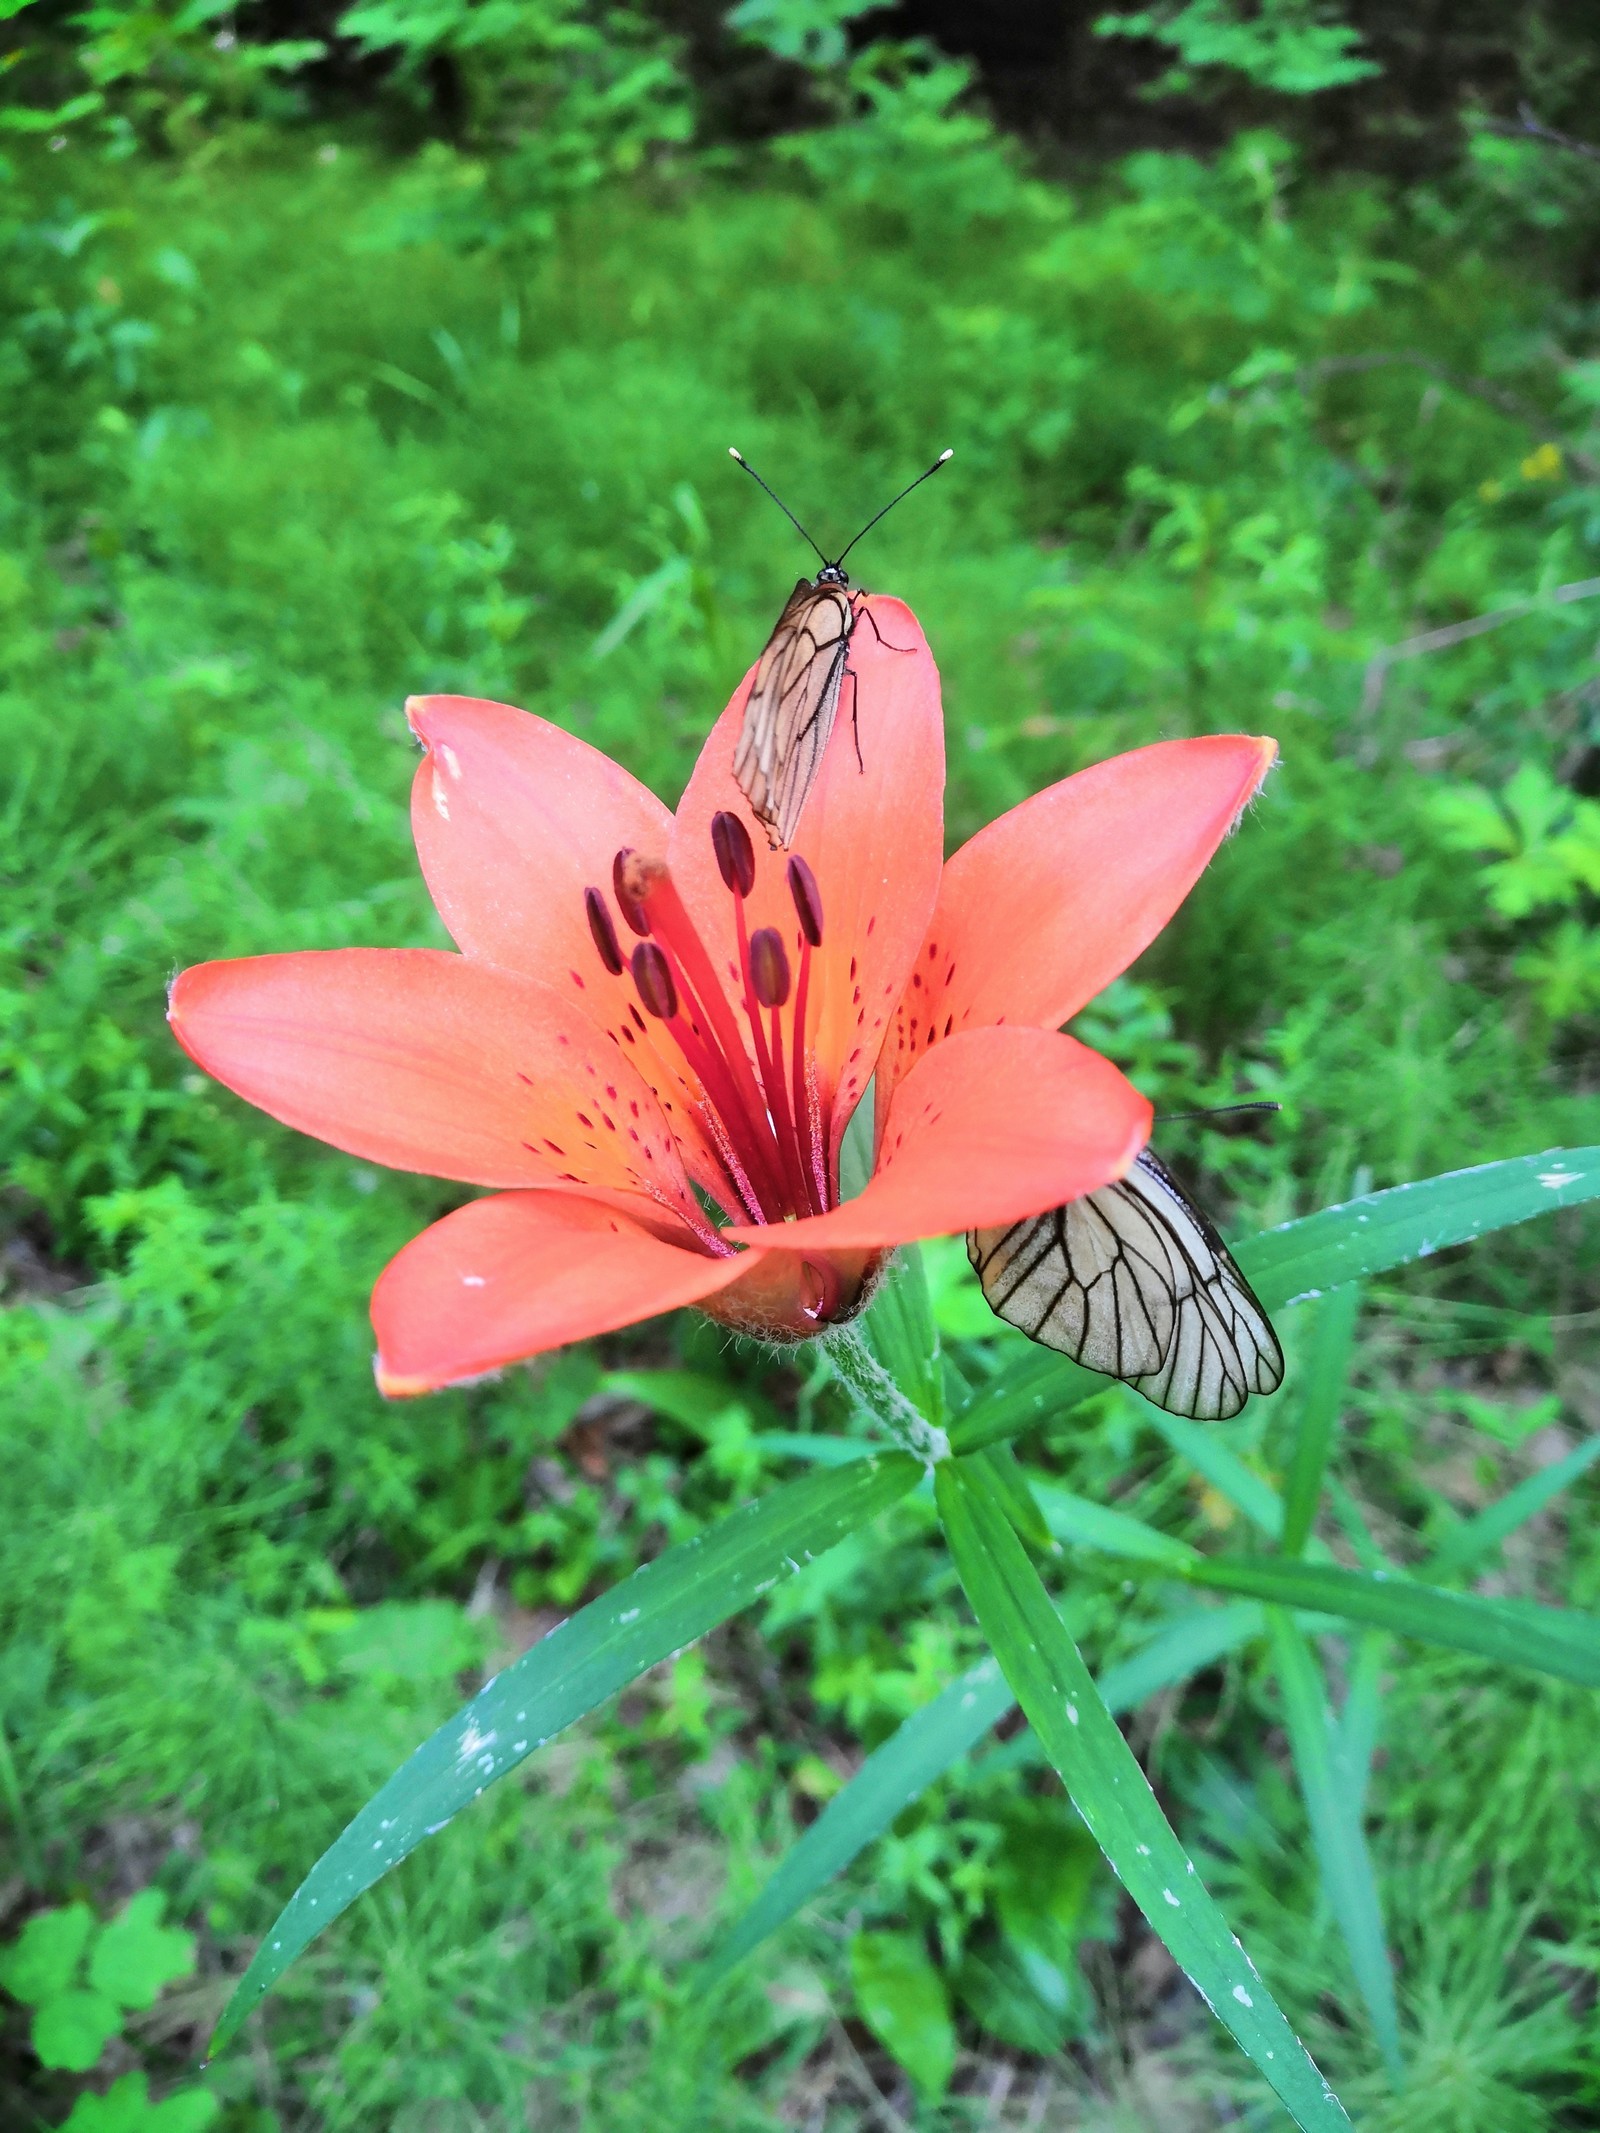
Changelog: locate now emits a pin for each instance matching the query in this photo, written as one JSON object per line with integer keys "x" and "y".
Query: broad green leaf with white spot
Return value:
{"x": 1385, "y": 1229}
{"x": 588, "y": 1658}
{"x": 1110, "y": 1791}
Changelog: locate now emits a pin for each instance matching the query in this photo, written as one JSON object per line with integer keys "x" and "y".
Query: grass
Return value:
{"x": 269, "y": 460}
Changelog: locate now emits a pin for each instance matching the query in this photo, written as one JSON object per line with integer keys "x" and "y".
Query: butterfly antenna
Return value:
{"x": 1167, "y": 1118}
{"x": 735, "y": 453}
{"x": 947, "y": 453}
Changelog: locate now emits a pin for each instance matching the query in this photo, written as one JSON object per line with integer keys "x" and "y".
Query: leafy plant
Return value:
{"x": 1284, "y": 45}
{"x": 609, "y": 1642}
{"x": 82, "y": 1980}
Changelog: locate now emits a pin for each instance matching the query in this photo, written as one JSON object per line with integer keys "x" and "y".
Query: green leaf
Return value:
{"x": 126, "y": 2108}
{"x": 1187, "y": 1642}
{"x": 43, "y": 1960}
{"x": 1225, "y": 1470}
{"x": 1110, "y": 1791}
{"x": 937, "y": 1736}
{"x": 901, "y": 1998}
{"x": 1477, "y": 1536}
{"x": 72, "y": 2030}
{"x": 1514, "y": 1632}
{"x": 588, "y": 1658}
{"x": 1326, "y": 1370}
{"x": 1091, "y": 1525}
{"x": 1363, "y": 1709}
{"x": 1385, "y": 1229}
{"x": 137, "y": 1955}
{"x": 819, "y": 1450}
{"x": 1332, "y": 1796}
{"x": 691, "y": 1398}
{"x": 1033, "y": 1393}
{"x": 1022, "y": 1506}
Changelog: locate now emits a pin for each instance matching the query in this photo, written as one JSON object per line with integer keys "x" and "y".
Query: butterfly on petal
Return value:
{"x": 794, "y": 700}
{"x": 1134, "y": 1281}
{"x": 794, "y": 697}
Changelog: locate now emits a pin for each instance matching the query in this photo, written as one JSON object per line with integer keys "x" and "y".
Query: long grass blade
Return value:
{"x": 1110, "y": 1791}
{"x": 1363, "y": 1710}
{"x": 1076, "y": 1520}
{"x": 588, "y": 1658}
{"x": 1332, "y": 1801}
{"x": 1225, "y": 1470}
{"x": 1386, "y": 1229}
{"x": 1327, "y": 1369}
{"x": 1517, "y": 1633}
{"x": 1475, "y": 1537}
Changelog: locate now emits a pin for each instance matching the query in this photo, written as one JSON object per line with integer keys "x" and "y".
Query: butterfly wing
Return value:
{"x": 1133, "y": 1280}
{"x": 793, "y": 701}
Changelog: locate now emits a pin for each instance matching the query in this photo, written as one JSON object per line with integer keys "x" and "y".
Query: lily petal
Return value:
{"x": 426, "y": 1061}
{"x": 1044, "y": 907}
{"x": 872, "y": 832}
{"x": 511, "y": 1276}
{"x": 991, "y": 1126}
{"x": 513, "y": 820}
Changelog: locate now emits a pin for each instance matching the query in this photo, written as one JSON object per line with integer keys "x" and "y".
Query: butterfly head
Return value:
{"x": 834, "y": 574}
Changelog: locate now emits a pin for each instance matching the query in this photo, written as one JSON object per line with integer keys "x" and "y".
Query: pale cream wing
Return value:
{"x": 793, "y": 701}
{"x": 1092, "y": 1279}
{"x": 1134, "y": 1281}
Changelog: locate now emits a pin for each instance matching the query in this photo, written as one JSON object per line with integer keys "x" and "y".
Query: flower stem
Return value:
{"x": 881, "y": 1398}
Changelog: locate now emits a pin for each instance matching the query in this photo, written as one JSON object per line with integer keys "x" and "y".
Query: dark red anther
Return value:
{"x": 769, "y": 967}
{"x": 736, "y": 855}
{"x": 628, "y": 905}
{"x": 652, "y": 973}
{"x": 601, "y": 930}
{"x": 807, "y": 899}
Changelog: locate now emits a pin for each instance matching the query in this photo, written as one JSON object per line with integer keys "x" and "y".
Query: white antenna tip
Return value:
{"x": 735, "y": 453}
{"x": 949, "y": 452}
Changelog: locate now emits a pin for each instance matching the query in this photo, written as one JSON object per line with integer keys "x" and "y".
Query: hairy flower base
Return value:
{"x": 786, "y": 1297}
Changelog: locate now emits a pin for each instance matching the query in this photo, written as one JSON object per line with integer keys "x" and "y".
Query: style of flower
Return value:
{"x": 657, "y": 1029}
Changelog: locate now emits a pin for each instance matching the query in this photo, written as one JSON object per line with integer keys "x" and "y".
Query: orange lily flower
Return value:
{"x": 657, "y": 1030}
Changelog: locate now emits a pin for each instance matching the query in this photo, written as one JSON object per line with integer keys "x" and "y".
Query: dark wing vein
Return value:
{"x": 1133, "y": 1280}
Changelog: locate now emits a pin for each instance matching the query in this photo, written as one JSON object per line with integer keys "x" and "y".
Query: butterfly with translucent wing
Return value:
{"x": 794, "y": 699}
{"x": 1134, "y": 1281}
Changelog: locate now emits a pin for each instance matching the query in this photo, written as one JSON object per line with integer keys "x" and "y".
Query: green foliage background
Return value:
{"x": 307, "y": 403}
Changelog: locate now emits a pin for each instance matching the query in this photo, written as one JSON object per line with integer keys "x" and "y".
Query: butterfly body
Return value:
{"x": 794, "y": 700}
{"x": 1134, "y": 1281}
